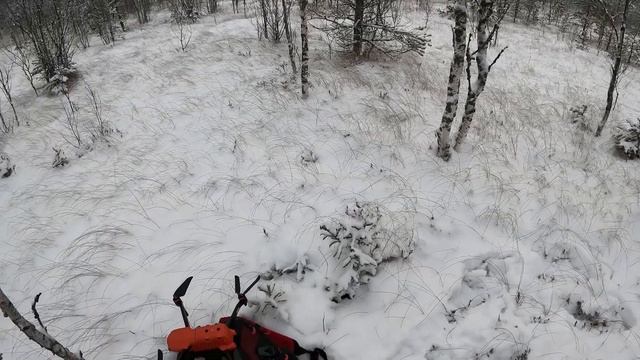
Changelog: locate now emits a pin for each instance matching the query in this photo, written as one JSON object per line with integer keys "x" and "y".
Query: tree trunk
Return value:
{"x": 516, "y": 10}
{"x": 476, "y": 88}
{"x": 453, "y": 89}
{"x": 41, "y": 338}
{"x": 601, "y": 31}
{"x": 304, "y": 71}
{"x": 584, "y": 34}
{"x": 287, "y": 31}
{"x": 358, "y": 28}
{"x": 615, "y": 72}
{"x": 5, "y": 127}
{"x": 263, "y": 5}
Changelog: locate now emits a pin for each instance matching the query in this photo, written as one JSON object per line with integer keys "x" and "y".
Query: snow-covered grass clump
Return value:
{"x": 627, "y": 138}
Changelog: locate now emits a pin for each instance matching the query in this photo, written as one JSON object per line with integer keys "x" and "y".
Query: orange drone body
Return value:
{"x": 202, "y": 338}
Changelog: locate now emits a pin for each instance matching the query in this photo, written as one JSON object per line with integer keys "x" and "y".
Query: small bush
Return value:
{"x": 60, "y": 159}
{"x": 62, "y": 81}
{"x": 578, "y": 117}
{"x": 627, "y": 138}
{"x": 364, "y": 238}
{"x": 6, "y": 166}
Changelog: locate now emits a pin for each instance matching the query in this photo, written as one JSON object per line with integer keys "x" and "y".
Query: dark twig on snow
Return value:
{"x": 35, "y": 311}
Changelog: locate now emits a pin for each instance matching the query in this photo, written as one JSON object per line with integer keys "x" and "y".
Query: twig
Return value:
{"x": 35, "y": 311}
{"x": 497, "y": 57}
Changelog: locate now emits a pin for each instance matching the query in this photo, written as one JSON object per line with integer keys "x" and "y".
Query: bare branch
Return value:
{"x": 497, "y": 57}
{"x": 43, "y": 339}
{"x": 35, "y": 311}
{"x": 609, "y": 17}
{"x": 469, "y": 58}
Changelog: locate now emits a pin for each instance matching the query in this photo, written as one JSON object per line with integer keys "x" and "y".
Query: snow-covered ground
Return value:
{"x": 526, "y": 242}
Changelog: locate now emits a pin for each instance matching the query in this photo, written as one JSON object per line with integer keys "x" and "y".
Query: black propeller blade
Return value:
{"x": 160, "y": 354}
{"x": 252, "y": 285}
{"x": 180, "y": 292}
{"x": 237, "y": 284}
{"x": 182, "y": 289}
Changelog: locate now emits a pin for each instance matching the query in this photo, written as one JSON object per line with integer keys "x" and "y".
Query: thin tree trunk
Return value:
{"x": 264, "y": 17}
{"x": 287, "y": 31}
{"x": 601, "y": 31}
{"x": 516, "y": 10}
{"x": 615, "y": 72}
{"x": 41, "y": 338}
{"x": 358, "y": 28}
{"x": 453, "y": 89}
{"x": 304, "y": 71}
{"x": 15, "y": 114}
{"x": 476, "y": 88}
{"x": 5, "y": 127}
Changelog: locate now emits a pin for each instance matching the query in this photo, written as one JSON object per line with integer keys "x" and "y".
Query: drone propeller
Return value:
{"x": 237, "y": 278}
{"x": 182, "y": 289}
{"x": 180, "y": 292}
{"x": 242, "y": 297}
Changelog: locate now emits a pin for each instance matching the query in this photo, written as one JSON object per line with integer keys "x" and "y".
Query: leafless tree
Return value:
{"x": 212, "y": 6}
{"x": 19, "y": 57}
{"x": 362, "y": 26}
{"x": 484, "y": 35}
{"x": 619, "y": 24}
{"x": 72, "y": 122}
{"x": 455, "y": 74}
{"x": 5, "y": 88}
{"x": 47, "y": 27}
{"x": 183, "y": 14}
{"x": 286, "y": 11}
{"x": 304, "y": 32}
{"x": 100, "y": 13}
{"x": 142, "y": 9}
{"x": 270, "y": 22}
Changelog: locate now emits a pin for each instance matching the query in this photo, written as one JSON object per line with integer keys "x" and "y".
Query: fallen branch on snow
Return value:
{"x": 41, "y": 338}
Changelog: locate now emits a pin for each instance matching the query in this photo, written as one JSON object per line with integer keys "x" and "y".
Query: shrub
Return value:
{"x": 578, "y": 117}
{"x": 627, "y": 138}
{"x": 6, "y": 166}
{"x": 361, "y": 240}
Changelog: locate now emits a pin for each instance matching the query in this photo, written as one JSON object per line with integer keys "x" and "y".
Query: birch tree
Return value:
{"x": 455, "y": 73}
{"x": 286, "y": 8}
{"x": 304, "y": 30}
{"x": 617, "y": 64}
{"x": 475, "y": 88}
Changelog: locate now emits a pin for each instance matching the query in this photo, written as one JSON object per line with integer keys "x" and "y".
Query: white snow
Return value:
{"x": 208, "y": 180}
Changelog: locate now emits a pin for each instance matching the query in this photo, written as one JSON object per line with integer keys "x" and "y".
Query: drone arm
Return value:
{"x": 183, "y": 311}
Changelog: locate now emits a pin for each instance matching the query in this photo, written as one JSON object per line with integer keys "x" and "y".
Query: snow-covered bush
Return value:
{"x": 627, "y": 138}
{"x": 60, "y": 159}
{"x": 578, "y": 117}
{"x": 62, "y": 81}
{"x": 299, "y": 267}
{"x": 6, "y": 166}
{"x": 308, "y": 157}
{"x": 361, "y": 240}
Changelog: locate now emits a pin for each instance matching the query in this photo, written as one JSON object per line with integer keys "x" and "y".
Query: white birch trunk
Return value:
{"x": 476, "y": 88}
{"x": 455, "y": 73}
{"x": 304, "y": 71}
